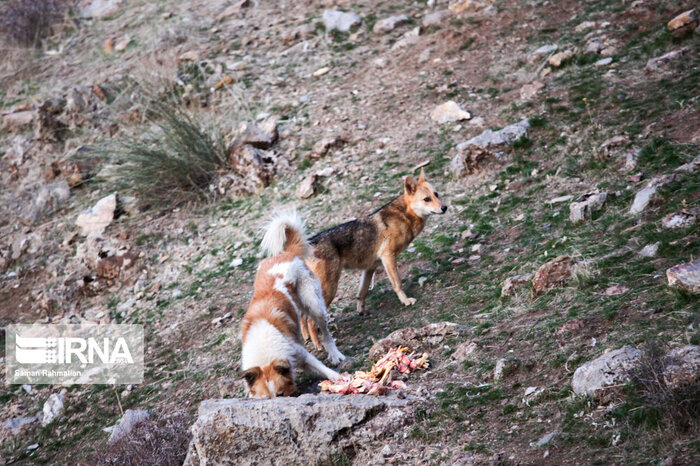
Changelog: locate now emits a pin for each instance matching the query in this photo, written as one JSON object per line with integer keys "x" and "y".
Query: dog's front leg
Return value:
{"x": 311, "y": 362}
{"x": 367, "y": 278}
{"x": 389, "y": 262}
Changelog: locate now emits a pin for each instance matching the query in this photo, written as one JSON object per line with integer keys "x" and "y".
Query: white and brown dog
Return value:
{"x": 285, "y": 292}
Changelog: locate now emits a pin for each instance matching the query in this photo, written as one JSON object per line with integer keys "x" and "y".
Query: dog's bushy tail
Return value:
{"x": 285, "y": 233}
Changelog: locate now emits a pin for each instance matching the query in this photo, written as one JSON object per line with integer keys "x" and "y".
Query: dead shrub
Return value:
{"x": 656, "y": 402}
{"x": 157, "y": 441}
{"x": 27, "y": 22}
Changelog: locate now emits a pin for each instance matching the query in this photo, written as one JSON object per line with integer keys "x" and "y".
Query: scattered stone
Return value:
{"x": 603, "y": 62}
{"x": 573, "y": 326}
{"x": 189, "y": 55}
{"x": 131, "y": 418}
{"x": 237, "y": 262}
{"x": 683, "y": 367}
{"x": 381, "y": 62}
{"x": 387, "y": 451}
{"x": 340, "y": 20}
{"x": 529, "y": 91}
{"x": 691, "y": 166}
{"x": 585, "y": 205}
{"x": 15, "y": 426}
{"x": 93, "y": 221}
{"x": 320, "y": 72}
{"x": 511, "y": 285}
{"x": 585, "y": 26}
{"x": 464, "y": 351}
{"x": 559, "y": 58}
{"x": 679, "y": 220}
{"x": 309, "y": 428}
{"x": 649, "y": 250}
{"x": 261, "y": 136}
{"x": 544, "y": 50}
{"x": 417, "y": 339}
{"x": 47, "y": 200}
{"x": 560, "y": 199}
{"x": 645, "y": 195}
{"x": 655, "y": 64}
{"x": 460, "y": 6}
{"x": 307, "y": 187}
{"x": 685, "y": 276}
{"x": 409, "y": 38}
{"x": 471, "y": 153}
{"x": 53, "y": 408}
{"x": 389, "y": 24}
{"x": 449, "y": 112}
{"x": 547, "y": 437}
{"x": 232, "y": 10}
{"x": 610, "y": 369}
{"x": 324, "y": 145}
{"x": 616, "y": 290}
{"x": 122, "y": 43}
{"x": 683, "y": 23}
{"x": 504, "y": 368}
{"x": 435, "y": 18}
{"x": 554, "y": 273}
{"x": 18, "y": 121}
{"x": 99, "y": 9}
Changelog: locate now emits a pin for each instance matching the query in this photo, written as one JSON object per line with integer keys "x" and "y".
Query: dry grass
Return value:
{"x": 157, "y": 441}
{"x": 28, "y": 22}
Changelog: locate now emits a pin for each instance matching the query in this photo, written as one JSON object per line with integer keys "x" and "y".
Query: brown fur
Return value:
{"x": 366, "y": 242}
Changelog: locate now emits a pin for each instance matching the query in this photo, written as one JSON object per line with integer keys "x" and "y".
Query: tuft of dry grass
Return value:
{"x": 678, "y": 407}
{"x": 27, "y": 22}
{"x": 159, "y": 441}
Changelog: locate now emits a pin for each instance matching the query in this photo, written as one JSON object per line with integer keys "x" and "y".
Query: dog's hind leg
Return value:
{"x": 311, "y": 298}
{"x": 367, "y": 278}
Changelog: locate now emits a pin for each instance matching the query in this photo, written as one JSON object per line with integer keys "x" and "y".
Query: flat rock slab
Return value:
{"x": 304, "y": 430}
{"x": 685, "y": 276}
{"x": 610, "y": 369}
{"x": 340, "y": 20}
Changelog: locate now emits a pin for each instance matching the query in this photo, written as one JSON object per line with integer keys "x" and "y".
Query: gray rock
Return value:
{"x": 131, "y": 418}
{"x": 307, "y": 186}
{"x": 304, "y": 430}
{"x": 490, "y": 138}
{"x": 14, "y": 426}
{"x": 18, "y": 121}
{"x": 649, "y": 250}
{"x": 585, "y": 205}
{"x": 546, "y": 438}
{"x": 435, "y": 18}
{"x": 261, "y": 136}
{"x": 100, "y": 8}
{"x": 656, "y": 64}
{"x": 409, "y": 38}
{"x": 683, "y": 366}
{"x": 53, "y": 408}
{"x": 691, "y": 166}
{"x": 389, "y": 24}
{"x": 679, "y": 220}
{"x": 93, "y": 221}
{"x": 610, "y": 369}
{"x": 504, "y": 368}
{"x": 685, "y": 276}
{"x": 340, "y": 20}
{"x": 645, "y": 195}
{"x": 47, "y": 200}
{"x": 449, "y": 112}
{"x": 512, "y": 285}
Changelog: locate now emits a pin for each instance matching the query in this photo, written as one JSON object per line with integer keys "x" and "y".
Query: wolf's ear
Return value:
{"x": 421, "y": 178}
{"x": 410, "y": 184}
{"x": 251, "y": 375}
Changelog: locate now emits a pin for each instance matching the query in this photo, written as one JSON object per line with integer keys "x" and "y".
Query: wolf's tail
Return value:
{"x": 285, "y": 233}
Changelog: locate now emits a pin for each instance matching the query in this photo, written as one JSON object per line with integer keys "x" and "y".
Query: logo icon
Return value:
{"x": 36, "y": 350}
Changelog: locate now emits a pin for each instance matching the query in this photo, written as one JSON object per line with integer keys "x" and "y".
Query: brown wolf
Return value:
{"x": 366, "y": 242}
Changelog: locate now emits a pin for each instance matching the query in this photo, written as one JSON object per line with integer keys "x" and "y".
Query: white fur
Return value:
{"x": 274, "y": 240}
{"x": 263, "y": 344}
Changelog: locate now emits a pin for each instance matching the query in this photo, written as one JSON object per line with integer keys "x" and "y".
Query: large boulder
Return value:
{"x": 417, "y": 339}
{"x": 552, "y": 274}
{"x": 610, "y": 369}
{"x": 340, "y": 20}
{"x": 683, "y": 366}
{"x": 685, "y": 276}
{"x": 308, "y": 429}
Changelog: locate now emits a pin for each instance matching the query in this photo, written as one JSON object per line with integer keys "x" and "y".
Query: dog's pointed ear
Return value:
{"x": 410, "y": 184}
{"x": 421, "y": 178}
{"x": 282, "y": 367}
{"x": 251, "y": 375}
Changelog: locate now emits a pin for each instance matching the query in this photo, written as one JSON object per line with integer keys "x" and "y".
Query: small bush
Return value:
{"x": 158, "y": 441}
{"x": 27, "y": 22}
{"x": 657, "y": 403}
{"x": 171, "y": 163}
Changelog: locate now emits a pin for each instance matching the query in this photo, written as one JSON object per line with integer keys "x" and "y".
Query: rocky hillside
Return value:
{"x": 144, "y": 145}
